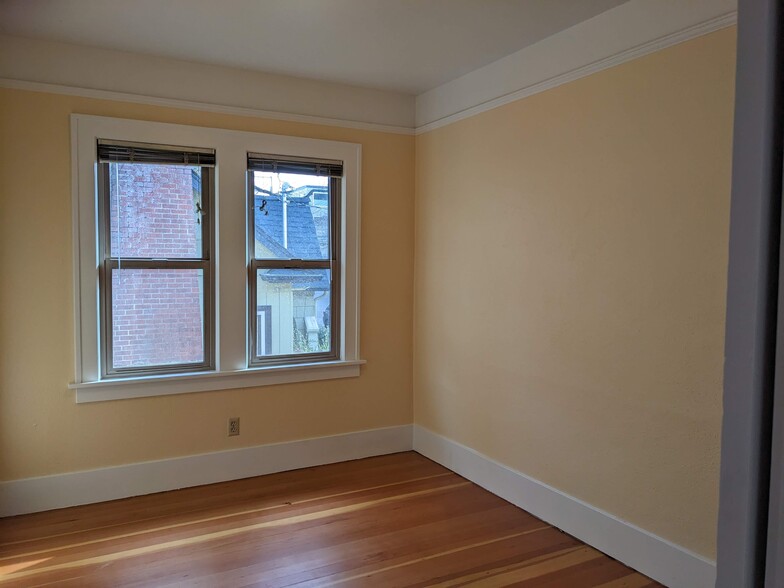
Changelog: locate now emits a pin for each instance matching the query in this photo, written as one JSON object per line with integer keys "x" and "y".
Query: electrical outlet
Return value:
{"x": 234, "y": 426}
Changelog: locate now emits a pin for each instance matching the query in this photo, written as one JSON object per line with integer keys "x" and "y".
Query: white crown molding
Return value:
{"x": 629, "y": 31}
{"x": 86, "y": 487}
{"x": 79, "y": 70}
{"x": 12, "y": 84}
{"x": 662, "y": 560}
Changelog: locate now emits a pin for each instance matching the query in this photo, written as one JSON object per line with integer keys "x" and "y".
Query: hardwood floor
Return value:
{"x": 397, "y": 520}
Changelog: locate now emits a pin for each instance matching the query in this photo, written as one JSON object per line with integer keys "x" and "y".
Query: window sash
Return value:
{"x": 289, "y": 164}
{"x": 130, "y": 152}
{"x": 332, "y": 264}
{"x": 108, "y": 264}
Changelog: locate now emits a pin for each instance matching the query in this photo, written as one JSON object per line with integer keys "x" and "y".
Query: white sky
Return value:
{"x": 272, "y": 182}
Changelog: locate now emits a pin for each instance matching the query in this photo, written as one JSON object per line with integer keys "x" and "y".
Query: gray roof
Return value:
{"x": 301, "y": 229}
{"x": 302, "y": 237}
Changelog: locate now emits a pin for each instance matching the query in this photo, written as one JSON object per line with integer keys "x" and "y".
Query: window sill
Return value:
{"x": 121, "y": 388}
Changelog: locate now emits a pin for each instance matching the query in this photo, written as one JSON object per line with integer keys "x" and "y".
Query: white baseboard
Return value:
{"x": 658, "y": 558}
{"x": 655, "y": 557}
{"x": 61, "y": 490}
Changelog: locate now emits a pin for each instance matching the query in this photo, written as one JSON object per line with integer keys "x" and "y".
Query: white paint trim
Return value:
{"x": 654, "y": 556}
{"x": 200, "y": 106}
{"x": 62, "y": 490}
{"x": 122, "y": 388}
{"x": 129, "y": 75}
{"x": 76, "y": 240}
{"x": 658, "y": 558}
{"x": 631, "y": 30}
{"x": 231, "y": 147}
{"x": 566, "y": 57}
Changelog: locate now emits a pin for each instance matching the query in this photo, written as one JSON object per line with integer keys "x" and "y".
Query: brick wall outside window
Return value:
{"x": 156, "y": 314}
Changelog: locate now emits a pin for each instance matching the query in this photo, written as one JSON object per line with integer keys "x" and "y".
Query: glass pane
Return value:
{"x": 291, "y": 216}
{"x": 154, "y": 210}
{"x": 157, "y": 317}
{"x": 293, "y": 313}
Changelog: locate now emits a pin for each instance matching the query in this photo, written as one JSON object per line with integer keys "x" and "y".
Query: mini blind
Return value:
{"x": 288, "y": 164}
{"x": 125, "y": 152}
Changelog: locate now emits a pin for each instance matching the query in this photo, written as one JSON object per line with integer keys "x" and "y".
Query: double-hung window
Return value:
{"x": 156, "y": 273}
{"x": 294, "y": 269}
{"x": 209, "y": 259}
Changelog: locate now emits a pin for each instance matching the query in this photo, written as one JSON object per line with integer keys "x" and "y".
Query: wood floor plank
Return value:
{"x": 397, "y": 520}
{"x": 76, "y": 558}
{"x": 230, "y": 518}
{"x": 278, "y": 488}
{"x": 293, "y": 548}
{"x": 408, "y": 536}
{"x": 452, "y": 567}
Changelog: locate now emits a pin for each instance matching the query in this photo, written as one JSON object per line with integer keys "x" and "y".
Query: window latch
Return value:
{"x": 293, "y": 261}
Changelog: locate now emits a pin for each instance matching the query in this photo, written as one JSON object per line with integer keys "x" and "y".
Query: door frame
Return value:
{"x": 753, "y": 370}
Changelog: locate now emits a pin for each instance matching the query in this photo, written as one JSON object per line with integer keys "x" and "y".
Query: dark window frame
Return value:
{"x": 332, "y": 263}
{"x": 108, "y": 263}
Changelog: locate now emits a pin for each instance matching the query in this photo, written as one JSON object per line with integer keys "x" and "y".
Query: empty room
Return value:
{"x": 391, "y": 293}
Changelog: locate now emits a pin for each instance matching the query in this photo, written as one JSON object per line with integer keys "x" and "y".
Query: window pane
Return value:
{"x": 293, "y": 312}
{"x": 154, "y": 210}
{"x": 291, "y": 218}
{"x": 157, "y": 317}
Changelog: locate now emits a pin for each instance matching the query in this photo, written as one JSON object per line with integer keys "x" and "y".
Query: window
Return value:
{"x": 293, "y": 248}
{"x": 203, "y": 264}
{"x": 156, "y": 272}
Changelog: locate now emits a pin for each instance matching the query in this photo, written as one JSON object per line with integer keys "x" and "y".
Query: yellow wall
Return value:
{"x": 42, "y": 430}
{"x": 571, "y": 254}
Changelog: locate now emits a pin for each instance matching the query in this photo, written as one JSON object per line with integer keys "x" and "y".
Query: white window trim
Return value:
{"x": 231, "y": 258}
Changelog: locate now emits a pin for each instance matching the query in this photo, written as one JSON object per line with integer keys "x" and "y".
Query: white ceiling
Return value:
{"x": 407, "y": 46}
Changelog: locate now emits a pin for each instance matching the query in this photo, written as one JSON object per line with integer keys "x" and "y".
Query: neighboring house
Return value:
{"x": 153, "y": 214}
{"x": 319, "y": 208}
{"x": 291, "y": 303}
